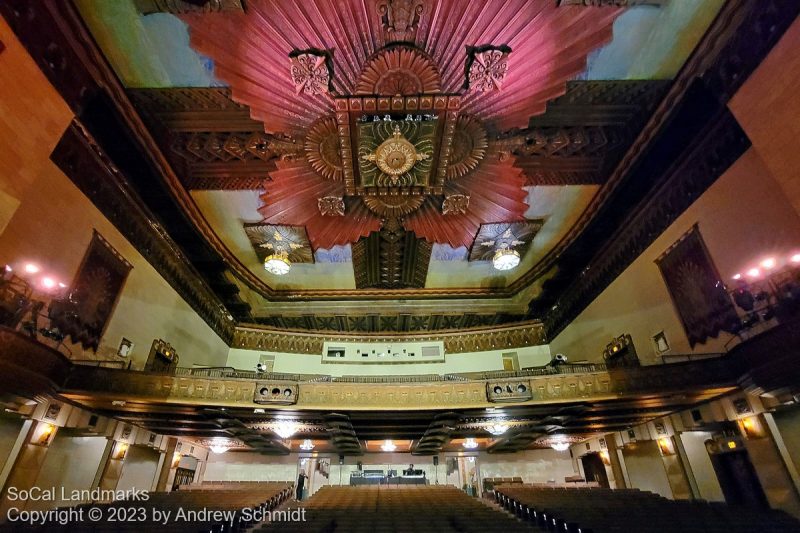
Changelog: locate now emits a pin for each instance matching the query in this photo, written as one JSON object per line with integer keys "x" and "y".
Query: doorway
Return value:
{"x": 738, "y": 479}
{"x": 594, "y": 469}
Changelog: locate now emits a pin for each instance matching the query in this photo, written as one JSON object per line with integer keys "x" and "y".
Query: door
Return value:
{"x": 738, "y": 479}
{"x": 594, "y": 469}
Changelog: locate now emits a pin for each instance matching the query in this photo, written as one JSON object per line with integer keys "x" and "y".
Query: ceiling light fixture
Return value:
{"x": 388, "y": 446}
{"x": 285, "y": 428}
{"x": 307, "y": 445}
{"x": 278, "y": 263}
{"x": 559, "y": 444}
{"x": 219, "y": 446}
{"x": 505, "y": 259}
{"x": 470, "y": 444}
{"x": 768, "y": 263}
{"x": 754, "y": 272}
{"x": 497, "y": 429}
{"x": 30, "y": 268}
{"x": 795, "y": 258}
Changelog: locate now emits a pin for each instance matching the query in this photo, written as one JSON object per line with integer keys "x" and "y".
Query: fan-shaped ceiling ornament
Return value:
{"x": 394, "y": 205}
{"x": 399, "y": 70}
{"x": 469, "y": 146}
{"x": 322, "y": 149}
{"x": 394, "y": 101}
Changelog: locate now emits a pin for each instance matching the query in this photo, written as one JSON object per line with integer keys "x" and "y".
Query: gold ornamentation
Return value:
{"x": 322, "y": 149}
{"x": 455, "y": 204}
{"x": 331, "y": 206}
{"x": 393, "y": 205}
{"x": 396, "y": 155}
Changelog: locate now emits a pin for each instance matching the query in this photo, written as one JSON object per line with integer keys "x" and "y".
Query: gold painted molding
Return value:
{"x": 98, "y": 384}
{"x": 475, "y": 340}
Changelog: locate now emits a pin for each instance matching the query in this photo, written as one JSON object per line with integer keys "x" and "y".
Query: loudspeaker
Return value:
{"x": 360, "y": 466}
{"x": 435, "y": 460}
{"x": 341, "y": 459}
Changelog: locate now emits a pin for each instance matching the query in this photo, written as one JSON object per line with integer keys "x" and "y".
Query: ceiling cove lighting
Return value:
{"x": 219, "y": 446}
{"x": 278, "y": 263}
{"x": 505, "y": 259}
{"x": 307, "y": 445}
{"x": 470, "y": 444}
{"x": 285, "y": 428}
{"x": 388, "y": 446}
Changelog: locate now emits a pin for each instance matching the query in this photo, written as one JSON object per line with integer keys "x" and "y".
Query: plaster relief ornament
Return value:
{"x": 310, "y": 72}
{"x": 455, "y": 204}
{"x": 395, "y": 156}
{"x": 400, "y": 19}
{"x": 331, "y": 206}
{"x": 487, "y": 67}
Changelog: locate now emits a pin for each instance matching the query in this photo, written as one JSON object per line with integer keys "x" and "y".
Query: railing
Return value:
{"x": 422, "y": 378}
{"x": 683, "y": 357}
{"x": 228, "y": 372}
{"x": 105, "y": 363}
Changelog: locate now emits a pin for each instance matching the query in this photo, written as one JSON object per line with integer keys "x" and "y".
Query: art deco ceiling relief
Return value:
{"x": 386, "y": 125}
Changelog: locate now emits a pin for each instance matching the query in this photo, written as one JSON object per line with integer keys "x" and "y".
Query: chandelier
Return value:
{"x": 219, "y": 446}
{"x": 470, "y": 444}
{"x": 497, "y": 429}
{"x": 505, "y": 259}
{"x": 307, "y": 445}
{"x": 285, "y": 428}
{"x": 388, "y": 446}
{"x": 559, "y": 444}
{"x": 278, "y": 263}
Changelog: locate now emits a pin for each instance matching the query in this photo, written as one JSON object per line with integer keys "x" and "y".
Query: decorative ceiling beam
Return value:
{"x": 391, "y": 258}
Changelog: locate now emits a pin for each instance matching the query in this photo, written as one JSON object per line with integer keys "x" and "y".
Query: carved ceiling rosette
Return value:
{"x": 469, "y": 146}
{"x": 322, "y": 149}
{"x": 400, "y": 70}
{"x": 312, "y": 71}
{"x": 396, "y": 153}
{"x": 487, "y": 67}
{"x": 331, "y": 206}
{"x": 455, "y": 204}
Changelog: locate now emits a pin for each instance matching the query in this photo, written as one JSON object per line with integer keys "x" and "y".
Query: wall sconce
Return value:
{"x": 751, "y": 427}
{"x": 43, "y": 434}
{"x": 665, "y": 446}
{"x": 176, "y": 459}
{"x": 120, "y": 450}
{"x": 605, "y": 457}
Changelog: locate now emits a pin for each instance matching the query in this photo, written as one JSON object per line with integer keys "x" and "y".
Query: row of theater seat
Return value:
{"x": 599, "y": 510}
{"x": 390, "y": 509}
{"x": 137, "y": 515}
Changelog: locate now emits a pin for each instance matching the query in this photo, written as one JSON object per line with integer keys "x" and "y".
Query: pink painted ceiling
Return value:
{"x": 250, "y": 51}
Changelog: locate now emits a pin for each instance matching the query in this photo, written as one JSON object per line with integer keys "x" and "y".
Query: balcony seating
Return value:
{"x": 265, "y": 495}
{"x": 599, "y": 510}
{"x": 385, "y": 509}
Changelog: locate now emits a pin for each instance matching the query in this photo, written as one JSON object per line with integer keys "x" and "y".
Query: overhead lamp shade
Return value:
{"x": 505, "y": 259}
{"x": 277, "y": 263}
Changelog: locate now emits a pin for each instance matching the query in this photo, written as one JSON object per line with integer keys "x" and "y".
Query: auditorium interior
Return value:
{"x": 400, "y": 265}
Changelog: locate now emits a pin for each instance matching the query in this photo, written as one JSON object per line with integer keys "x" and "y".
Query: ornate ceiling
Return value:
{"x": 389, "y": 147}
